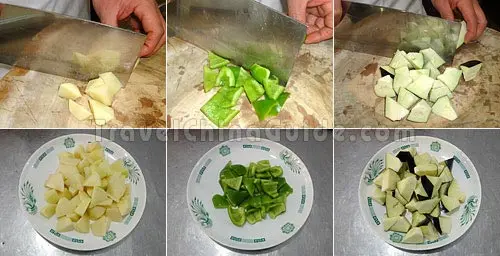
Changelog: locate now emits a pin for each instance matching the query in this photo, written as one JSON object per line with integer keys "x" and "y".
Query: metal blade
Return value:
{"x": 48, "y": 42}
{"x": 244, "y": 31}
{"x": 381, "y": 31}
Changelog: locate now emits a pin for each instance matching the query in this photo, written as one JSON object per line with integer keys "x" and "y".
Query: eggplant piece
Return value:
{"x": 401, "y": 225}
{"x": 426, "y": 206}
{"x": 449, "y": 163}
{"x": 418, "y": 219}
{"x": 443, "y": 108}
{"x": 455, "y": 192}
{"x": 406, "y": 156}
{"x": 427, "y": 185}
{"x": 426, "y": 169}
{"x": 378, "y": 180}
{"x": 450, "y": 203}
{"x": 401, "y": 78}
{"x": 406, "y": 98}
{"x": 416, "y": 73}
{"x": 433, "y": 71}
{"x": 389, "y": 180}
{"x": 450, "y": 77}
{"x": 389, "y": 222}
{"x": 444, "y": 224}
{"x": 414, "y": 236}
{"x": 378, "y": 196}
{"x": 416, "y": 59}
{"x": 439, "y": 90}
{"x": 420, "y": 113}
{"x": 392, "y": 162}
{"x": 430, "y": 232}
{"x": 443, "y": 190}
{"x": 424, "y": 158}
{"x": 406, "y": 187}
{"x": 399, "y": 60}
{"x": 383, "y": 88}
{"x": 470, "y": 69}
{"x": 420, "y": 192}
{"x": 445, "y": 175}
{"x": 399, "y": 197}
{"x": 422, "y": 198}
{"x": 437, "y": 225}
{"x": 393, "y": 110}
{"x": 387, "y": 71}
{"x": 461, "y": 35}
{"x": 436, "y": 212}
{"x": 422, "y": 86}
{"x": 431, "y": 56}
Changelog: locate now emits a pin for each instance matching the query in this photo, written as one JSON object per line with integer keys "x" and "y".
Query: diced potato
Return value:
{"x": 94, "y": 180}
{"x": 73, "y": 217}
{"x": 100, "y": 227}
{"x": 67, "y": 158}
{"x": 112, "y": 82}
{"x": 67, "y": 170}
{"x": 104, "y": 183}
{"x": 64, "y": 224}
{"x": 83, "y": 225}
{"x": 73, "y": 191}
{"x": 63, "y": 207}
{"x": 78, "y": 111}
{"x": 48, "y": 211}
{"x": 114, "y": 214}
{"x": 98, "y": 196}
{"x": 116, "y": 186}
{"x": 83, "y": 206}
{"x": 55, "y": 181}
{"x": 96, "y": 155}
{"x": 93, "y": 146}
{"x": 69, "y": 91}
{"x": 118, "y": 166}
{"x": 100, "y": 92}
{"x": 89, "y": 190}
{"x": 128, "y": 188}
{"x": 78, "y": 152}
{"x": 75, "y": 201}
{"x": 102, "y": 113}
{"x": 96, "y": 212}
{"x": 51, "y": 196}
{"x": 65, "y": 194}
{"x": 124, "y": 205}
{"x": 106, "y": 202}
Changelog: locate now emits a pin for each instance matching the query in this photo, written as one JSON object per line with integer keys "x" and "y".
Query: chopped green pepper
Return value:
{"x": 209, "y": 78}
{"x": 239, "y": 169}
{"x": 281, "y": 102}
{"x": 225, "y": 78}
{"x": 249, "y": 185}
{"x": 272, "y": 87}
{"x": 235, "y": 198}
{"x": 234, "y": 183}
{"x": 253, "y": 90}
{"x": 217, "y": 115}
{"x": 243, "y": 77}
{"x": 264, "y": 108}
{"x": 220, "y": 201}
{"x": 215, "y": 61}
{"x": 260, "y": 73}
{"x": 236, "y": 72}
{"x": 237, "y": 216}
{"x": 276, "y": 171}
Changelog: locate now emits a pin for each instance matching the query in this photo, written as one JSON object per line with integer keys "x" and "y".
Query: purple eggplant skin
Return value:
{"x": 441, "y": 206}
{"x": 471, "y": 63}
{"x": 437, "y": 225}
{"x": 384, "y": 72}
{"x": 405, "y": 156}
{"x": 449, "y": 163}
{"x": 426, "y": 183}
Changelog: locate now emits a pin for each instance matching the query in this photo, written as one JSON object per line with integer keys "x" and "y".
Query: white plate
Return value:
{"x": 45, "y": 161}
{"x": 204, "y": 183}
{"x": 463, "y": 171}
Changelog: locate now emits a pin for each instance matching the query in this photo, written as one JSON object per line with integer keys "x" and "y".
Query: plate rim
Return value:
{"x": 53, "y": 241}
{"x": 427, "y": 246}
{"x": 254, "y": 139}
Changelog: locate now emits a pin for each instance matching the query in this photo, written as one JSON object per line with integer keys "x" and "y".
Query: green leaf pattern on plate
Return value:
{"x": 396, "y": 237}
{"x": 69, "y": 142}
{"x": 109, "y": 236}
{"x": 29, "y": 200}
{"x": 224, "y": 150}
{"x": 201, "y": 214}
{"x": 291, "y": 161}
{"x": 287, "y": 228}
{"x": 133, "y": 171}
{"x": 469, "y": 210}
{"x": 373, "y": 170}
{"x": 435, "y": 146}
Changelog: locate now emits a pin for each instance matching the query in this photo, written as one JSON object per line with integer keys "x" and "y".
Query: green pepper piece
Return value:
{"x": 263, "y": 108}
{"x": 251, "y": 170}
{"x": 235, "y": 198}
{"x": 281, "y": 102}
{"x": 281, "y": 181}
{"x": 263, "y": 175}
{"x": 272, "y": 87}
{"x": 234, "y": 183}
{"x": 227, "y": 173}
{"x": 209, "y": 78}
{"x": 236, "y": 72}
{"x": 225, "y": 78}
{"x": 221, "y": 117}
{"x": 276, "y": 171}
{"x": 258, "y": 185}
{"x": 239, "y": 169}
{"x": 215, "y": 61}
{"x": 259, "y": 72}
{"x": 270, "y": 188}
{"x": 243, "y": 77}
{"x": 220, "y": 201}
{"x": 253, "y": 90}
{"x": 265, "y": 199}
{"x": 256, "y": 201}
{"x": 237, "y": 216}
{"x": 263, "y": 166}
{"x": 249, "y": 185}
{"x": 285, "y": 190}
{"x": 276, "y": 209}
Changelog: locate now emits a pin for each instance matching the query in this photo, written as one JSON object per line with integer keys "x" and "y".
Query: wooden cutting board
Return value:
{"x": 310, "y": 85}
{"x": 476, "y": 102}
{"x": 28, "y": 99}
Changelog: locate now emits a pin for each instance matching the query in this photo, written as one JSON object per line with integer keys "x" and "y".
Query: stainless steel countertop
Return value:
{"x": 17, "y": 237}
{"x": 354, "y": 237}
{"x": 185, "y": 237}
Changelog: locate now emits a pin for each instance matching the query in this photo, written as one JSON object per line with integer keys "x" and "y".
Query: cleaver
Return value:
{"x": 244, "y": 31}
{"x": 381, "y": 31}
{"x": 66, "y": 46}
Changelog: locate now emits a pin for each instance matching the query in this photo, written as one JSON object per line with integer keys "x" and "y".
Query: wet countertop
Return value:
{"x": 28, "y": 99}
{"x": 185, "y": 148}
{"x": 352, "y": 151}
{"x": 17, "y": 236}
{"x": 310, "y": 85}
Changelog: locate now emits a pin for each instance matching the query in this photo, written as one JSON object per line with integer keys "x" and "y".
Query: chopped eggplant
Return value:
{"x": 430, "y": 232}
{"x": 423, "y": 158}
{"x": 378, "y": 196}
{"x": 416, "y": 73}
{"x": 443, "y": 190}
{"x": 401, "y": 78}
{"x": 420, "y": 113}
{"x": 436, "y": 212}
{"x": 411, "y": 205}
{"x": 387, "y": 71}
{"x": 414, "y": 236}
{"x": 406, "y": 98}
{"x": 418, "y": 219}
{"x": 392, "y": 162}
{"x": 450, "y": 77}
{"x": 444, "y": 225}
{"x": 426, "y": 206}
{"x": 433, "y": 71}
{"x": 406, "y": 156}
{"x": 416, "y": 59}
{"x": 426, "y": 169}
{"x": 427, "y": 185}
{"x": 421, "y": 87}
{"x": 443, "y": 108}
{"x": 389, "y": 180}
{"x": 406, "y": 187}
{"x": 401, "y": 225}
{"x": 439, "y": 90}
{"x": 393, "y": 110}
{"x": 431, "y": 56}
{"x": 446, "y": 175}
{"x": 450, "y": 203}
{"x": 399, "y": 60}
{"x": 454, "y": 191}
{"x": 383, "y": 88}
{"x": 389, "y": 222}
{"x": 378, "y": 180}
{"x": 449, "y": 163}
{"x": 399, "y": 197}
{"x": 470, "y": 69}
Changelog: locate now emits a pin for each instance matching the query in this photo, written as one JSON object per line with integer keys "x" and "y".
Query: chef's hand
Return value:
{"x": 316, "y": 14}
{"x": 153, "y": 23}
{"x": 471, "y": 11}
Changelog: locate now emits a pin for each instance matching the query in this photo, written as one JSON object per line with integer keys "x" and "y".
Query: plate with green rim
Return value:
{"x": 463, "y": 171}
{"x": 44, "y": 161}
{"x": 204, "y": 183}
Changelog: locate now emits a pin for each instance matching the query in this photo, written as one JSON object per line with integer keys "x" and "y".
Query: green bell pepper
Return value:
{"x": 215, "y": 61}
{"x": 209, "y": 78}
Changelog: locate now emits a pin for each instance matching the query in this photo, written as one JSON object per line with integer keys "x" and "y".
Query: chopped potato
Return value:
{"x": 86, "y": 193}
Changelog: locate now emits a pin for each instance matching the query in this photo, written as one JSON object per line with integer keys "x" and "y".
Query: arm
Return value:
{"x": 317, "y": 15}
